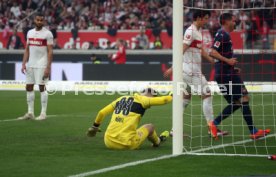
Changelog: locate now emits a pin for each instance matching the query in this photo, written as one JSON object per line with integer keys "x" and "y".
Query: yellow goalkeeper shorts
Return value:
{"x": 135, "y": 142}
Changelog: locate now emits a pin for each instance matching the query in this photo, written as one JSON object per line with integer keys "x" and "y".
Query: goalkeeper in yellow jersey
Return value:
{"x": 127, "y": 111}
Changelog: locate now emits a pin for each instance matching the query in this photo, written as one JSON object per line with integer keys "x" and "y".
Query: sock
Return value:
{"x": 30, "y": 101}
{"x": 227, "y": 111}
{"x": 247, "y": 116}
{"x": 208, "y": 109}
{"x": 44, "y": 101}
{"x": 154, "y": 138}
{"x": 185, "y": 103}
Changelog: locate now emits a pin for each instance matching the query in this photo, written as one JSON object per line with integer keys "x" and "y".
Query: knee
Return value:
{"x": 245, "y": 99}
{"x": 205, "y": 96}
{"x": 187, "y": 97}
{"x": 150, "y": 128}
{"x": 29, "y": 88}
{"x": 42, "y": 88}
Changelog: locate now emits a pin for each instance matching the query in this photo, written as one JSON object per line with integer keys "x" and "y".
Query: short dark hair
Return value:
{"x": 150, "y": 91}
{"x": 225, "y": 17}
{"x": 200, "y": 14}
{"x": 39, "y": 14}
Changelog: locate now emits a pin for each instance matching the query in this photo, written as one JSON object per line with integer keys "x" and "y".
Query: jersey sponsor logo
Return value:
{"x": 196, "y": 44}
{"x": 37, "y": 42}
{"x": 217, "y": 44}
{"x": 119, "y": 119}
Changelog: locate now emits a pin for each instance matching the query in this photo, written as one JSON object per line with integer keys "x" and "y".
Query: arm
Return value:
{"x": 169, "y": 71}
{"x": 25, "y": 58}
{"x": 49, "y": 61}
{"x": 205, "y": 55}
{"x": 188, "y": 38}
{"x": 103, "y": 113}
{"x": 147, "y": 39}
{"x": 9, "y": 42}
{"x": 155, "y": 101}
{"x": 217, "y": 55}
{"x": 118, "y": 54}
{"x": 185, "y": 47}
{"x": 50, "y": 43}
{"x": 100, "y": 117}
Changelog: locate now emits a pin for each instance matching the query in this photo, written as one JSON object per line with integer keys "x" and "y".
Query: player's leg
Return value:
{"x": 247, "y": 116}
{"x": 30, "y": 94}
{"x": 114, "y": 145}
{"x": 240, "y": 96}
{"x": 44, "y": 101}
{"x": 41, "y": 81}
{"x": 148, "y": 131}
{"x": 226, "y": 89}
{"x": 187, "y": 91}
{"x": 201, "y": 87}
{"x": 243, "y": 98}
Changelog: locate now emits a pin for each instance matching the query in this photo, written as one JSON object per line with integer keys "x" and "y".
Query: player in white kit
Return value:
{"x": 192, "y": 73}
{"x": 36, "y": 65}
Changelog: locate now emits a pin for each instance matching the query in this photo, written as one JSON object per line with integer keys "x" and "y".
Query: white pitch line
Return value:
{"x": 224, "y": 154}
{"x": 116, "y": 167}
{"x": 103, "y": 170}
{"x": 48, "y": 116}
{"x": 229, "y": 144}
{"x": 8, "y": 120}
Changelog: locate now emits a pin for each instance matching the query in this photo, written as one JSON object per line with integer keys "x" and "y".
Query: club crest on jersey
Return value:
{"x": 188, "y": 37}
{"x": 217, "y": 44}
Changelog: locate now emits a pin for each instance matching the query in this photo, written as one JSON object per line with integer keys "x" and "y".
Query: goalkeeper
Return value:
{"x": 228, "y": 77}
{"x": 127, "y": 111}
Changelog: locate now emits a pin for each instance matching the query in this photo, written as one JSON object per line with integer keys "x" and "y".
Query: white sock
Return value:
{"x": 185, "y": 103}
{"x": 30, "y": 101}
{"x": 207, "y": 107}
{"x": 44, "y": 101}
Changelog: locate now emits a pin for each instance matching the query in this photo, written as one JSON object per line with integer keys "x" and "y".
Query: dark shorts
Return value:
{"x": 231, "y": 86}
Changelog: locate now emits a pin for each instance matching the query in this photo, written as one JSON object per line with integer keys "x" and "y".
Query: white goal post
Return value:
{"x": 177, "y": 76}
{"x": 238, "y": 143}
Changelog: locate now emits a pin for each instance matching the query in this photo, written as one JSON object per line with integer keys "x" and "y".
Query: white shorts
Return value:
{"x": 197, "y": 84}
{"x": 35, "y": 76}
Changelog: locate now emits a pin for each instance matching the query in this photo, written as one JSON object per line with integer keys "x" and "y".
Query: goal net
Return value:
{"x": 254, "y": 43}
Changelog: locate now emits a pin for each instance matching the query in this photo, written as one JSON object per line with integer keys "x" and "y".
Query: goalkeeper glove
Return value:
{"x": 92, "y": 131}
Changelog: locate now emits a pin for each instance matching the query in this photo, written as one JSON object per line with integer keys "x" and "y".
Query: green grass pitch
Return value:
{"x": 59, "y": 147}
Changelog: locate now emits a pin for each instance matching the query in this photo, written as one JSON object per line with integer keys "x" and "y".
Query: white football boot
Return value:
{"x": 41, "y": 117}
{"x": 27, "y": 116}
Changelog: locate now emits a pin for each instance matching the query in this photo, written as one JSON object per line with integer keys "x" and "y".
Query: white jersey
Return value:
{"x": 38, "y": 41}
{"x": 192, "y": 56}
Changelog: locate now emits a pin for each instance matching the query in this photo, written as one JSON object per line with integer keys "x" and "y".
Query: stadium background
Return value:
{"x": 86, "y": 25}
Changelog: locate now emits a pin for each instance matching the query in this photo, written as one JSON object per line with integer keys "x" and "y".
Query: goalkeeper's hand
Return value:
{"x": 92, "y": 131}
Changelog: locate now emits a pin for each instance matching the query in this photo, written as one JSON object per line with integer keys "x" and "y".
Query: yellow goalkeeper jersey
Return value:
{"x": 127, "y": 112}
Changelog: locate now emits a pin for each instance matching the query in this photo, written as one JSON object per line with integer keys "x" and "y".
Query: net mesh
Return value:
{"x": 254, "y": 42}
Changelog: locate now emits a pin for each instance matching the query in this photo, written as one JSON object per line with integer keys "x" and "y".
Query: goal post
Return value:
{"x": 177, "y": 76}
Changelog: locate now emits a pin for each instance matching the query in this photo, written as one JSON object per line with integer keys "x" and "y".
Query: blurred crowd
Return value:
{"x": 113, "y": 15}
